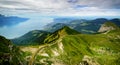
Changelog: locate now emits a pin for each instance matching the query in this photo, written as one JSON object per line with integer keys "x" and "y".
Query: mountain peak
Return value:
{"x": 66, "y": 31}
{"x": 108, "y": 26}
{"x": 60, "y": 34}
{"x": 64, "y": 28}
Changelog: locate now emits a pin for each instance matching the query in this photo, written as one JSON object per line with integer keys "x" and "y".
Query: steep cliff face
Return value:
{"x": 107, "y": 26}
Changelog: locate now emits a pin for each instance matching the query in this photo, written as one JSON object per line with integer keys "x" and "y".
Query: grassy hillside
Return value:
{"x": 35, "y": 37}
{"x": 60, "y": 33}
{"x": 104, "y": 49}
{"x": 10, "y": 54}
{"x": 68, "y": 47}
{"x": 81, "y": 49}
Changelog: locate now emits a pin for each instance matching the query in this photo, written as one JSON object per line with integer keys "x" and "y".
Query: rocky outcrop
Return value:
{"x": 107, "y": 26}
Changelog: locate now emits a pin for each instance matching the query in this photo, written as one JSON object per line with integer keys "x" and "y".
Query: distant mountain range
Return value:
{"x": 10, "y": 20}
{"x": 81, "y": 25}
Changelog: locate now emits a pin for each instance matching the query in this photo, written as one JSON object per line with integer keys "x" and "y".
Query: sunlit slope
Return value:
{"x": 82, "y": 49}
{"x": 103, "y": 47}
{"x": 60, "y": 33}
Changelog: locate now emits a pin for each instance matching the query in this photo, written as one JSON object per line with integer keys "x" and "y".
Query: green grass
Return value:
{"x": 76, "y": 46}
{"x": 101, "y": 48}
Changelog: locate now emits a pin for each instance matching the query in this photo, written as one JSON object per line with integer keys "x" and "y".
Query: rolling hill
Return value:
{"x": 81, "y": 49}
{"x": 35, "y": 37}
{"x": 60, "y": 33}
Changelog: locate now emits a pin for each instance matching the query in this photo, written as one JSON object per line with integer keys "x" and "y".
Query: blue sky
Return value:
{"x": 41, "y": 12}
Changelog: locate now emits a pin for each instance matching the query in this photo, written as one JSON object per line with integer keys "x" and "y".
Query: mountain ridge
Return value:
{"x": 84, "y": 26}
{"x": 31, "y": 38}
{"x": 61, "y": 33}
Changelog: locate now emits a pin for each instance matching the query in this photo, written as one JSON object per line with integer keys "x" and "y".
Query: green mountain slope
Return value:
{"x": 60, "y": 33}
{"x": 9, "y": 54}
{"x": 105, "y": 49}
{"x": 80, "y": 49}
{"x": 31, "y": 38}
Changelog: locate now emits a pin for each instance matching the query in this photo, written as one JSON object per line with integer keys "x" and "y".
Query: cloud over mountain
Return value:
{"x": 59, "y": 6}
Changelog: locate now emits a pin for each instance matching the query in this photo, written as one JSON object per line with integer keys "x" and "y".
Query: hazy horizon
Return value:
{"x": 42, "y": 12}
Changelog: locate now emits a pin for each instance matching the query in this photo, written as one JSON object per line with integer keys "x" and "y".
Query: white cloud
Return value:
{"x": 59, "y": 7}
{"x": 35, "y": 4}
{"x": 100, "y": 3}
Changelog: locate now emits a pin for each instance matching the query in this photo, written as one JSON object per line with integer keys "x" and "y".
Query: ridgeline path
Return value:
{"x": 31, "y": 62}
